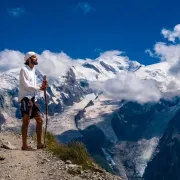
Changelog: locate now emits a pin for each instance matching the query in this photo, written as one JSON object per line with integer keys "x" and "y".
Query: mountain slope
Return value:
{"x": 166, "y": 161}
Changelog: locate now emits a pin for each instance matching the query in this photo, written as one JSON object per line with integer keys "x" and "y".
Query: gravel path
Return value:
{"x": 38, "y": 165}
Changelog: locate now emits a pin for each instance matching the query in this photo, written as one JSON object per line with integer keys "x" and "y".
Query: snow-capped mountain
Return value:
{"x": 122, "y": 134}
{"x": 102, "y": 69}
{"x": 65, "y": 90}
{"x": 159, "y": 72}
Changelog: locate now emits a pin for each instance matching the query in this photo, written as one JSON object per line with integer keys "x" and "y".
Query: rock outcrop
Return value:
{"x": 165, "y": 163}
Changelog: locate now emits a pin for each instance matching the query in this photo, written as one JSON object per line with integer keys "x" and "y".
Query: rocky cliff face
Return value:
{"x": 165, "y": 163}
{"x": 126, "y": 137}
{"x": 138, "y": 129}
{"x": 64, "y": 94}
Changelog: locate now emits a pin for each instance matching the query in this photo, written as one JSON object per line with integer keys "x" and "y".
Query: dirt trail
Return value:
{"x": 25, "y": 165}
{"x": 37, "y": 165}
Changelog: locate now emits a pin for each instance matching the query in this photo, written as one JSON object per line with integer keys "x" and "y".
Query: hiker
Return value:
{"x": 28, "y": 92}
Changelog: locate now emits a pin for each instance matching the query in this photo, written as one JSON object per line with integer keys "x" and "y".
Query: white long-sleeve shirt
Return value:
{"x": 27, "y": 83}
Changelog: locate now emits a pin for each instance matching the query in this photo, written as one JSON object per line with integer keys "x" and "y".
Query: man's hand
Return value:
{"x": 44, "y": 85}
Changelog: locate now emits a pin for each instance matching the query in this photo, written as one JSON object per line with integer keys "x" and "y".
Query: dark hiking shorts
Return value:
{"x": 29, "y": 107}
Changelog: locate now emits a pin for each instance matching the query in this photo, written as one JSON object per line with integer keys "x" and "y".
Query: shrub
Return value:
{"x": 74, "y": 151}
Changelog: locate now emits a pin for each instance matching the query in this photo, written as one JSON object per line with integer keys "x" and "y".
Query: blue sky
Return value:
{"x": 83, "y": 29}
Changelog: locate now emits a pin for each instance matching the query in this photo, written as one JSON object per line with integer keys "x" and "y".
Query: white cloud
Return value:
{"x": 85, "y": 7}
{"x": 148, "y": 51}
{"x": 128, "y": 87}
{"x": 10, "y": 59}
{"x": 54, "y": 64}
{"x": 125, "y": 86}
{"x": 169, "y": 52}
{"x": 172, "y": 35}
{"x": 111, "y": 53}
{"x": 16, "y": 12}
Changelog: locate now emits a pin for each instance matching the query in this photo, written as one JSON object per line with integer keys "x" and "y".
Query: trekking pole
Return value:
{"x": 46, "y": 110}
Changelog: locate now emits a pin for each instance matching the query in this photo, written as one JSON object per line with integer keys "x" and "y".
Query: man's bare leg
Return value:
{"x": 39, "y": 124}
{"x": 24, "y": 130}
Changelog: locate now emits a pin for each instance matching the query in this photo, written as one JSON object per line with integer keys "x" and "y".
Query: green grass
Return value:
{"x": 76, "y": 152}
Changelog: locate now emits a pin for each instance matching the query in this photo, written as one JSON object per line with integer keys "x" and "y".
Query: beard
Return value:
{"x": 34, "y": 62}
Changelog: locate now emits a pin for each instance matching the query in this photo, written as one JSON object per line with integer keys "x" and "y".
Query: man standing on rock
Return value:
{"x": 28, "y": 92}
